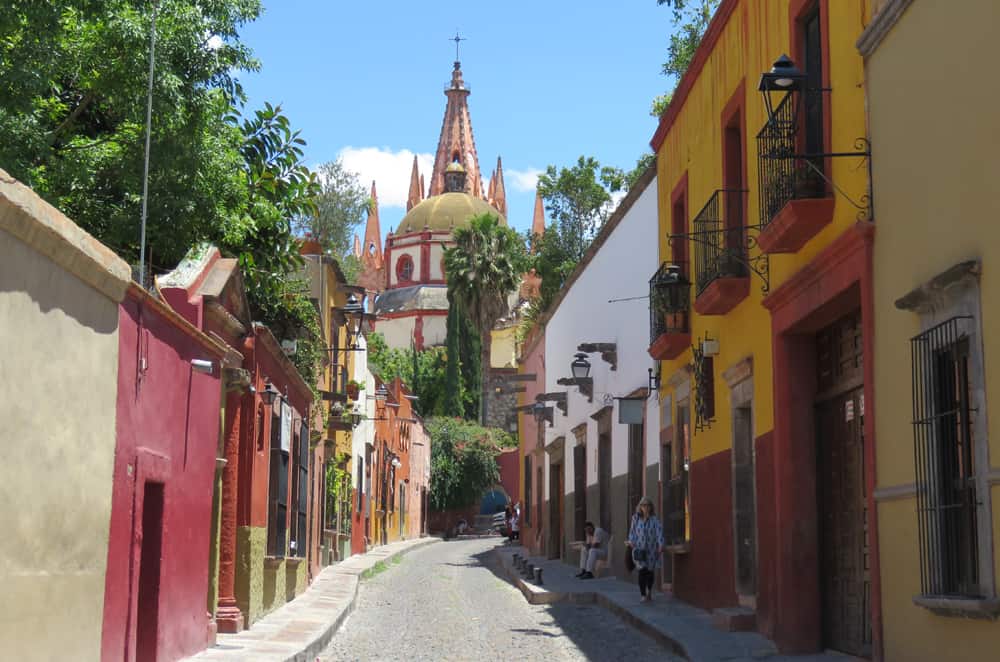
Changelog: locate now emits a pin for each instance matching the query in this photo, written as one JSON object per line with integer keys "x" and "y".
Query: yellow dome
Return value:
{"x": 446, "y": 212}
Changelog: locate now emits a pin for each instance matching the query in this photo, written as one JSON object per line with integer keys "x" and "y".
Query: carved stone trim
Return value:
{"x": 933, "y": 294}
{"x": 580, "y": 432}
{"x": 738, "y": 372}
{"x": 880, "y": 26}
{"x": 681, "y": 375}
{"x": 555, "y": 448}
{"x": 236, "y": 379}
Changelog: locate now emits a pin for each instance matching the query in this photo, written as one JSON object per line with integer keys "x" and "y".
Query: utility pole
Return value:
{"x": 145, "y": 164}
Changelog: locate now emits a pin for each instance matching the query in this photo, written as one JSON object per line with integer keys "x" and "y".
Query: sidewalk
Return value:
{"x": 301, "y": 629}
{"x": 684, "y": 629}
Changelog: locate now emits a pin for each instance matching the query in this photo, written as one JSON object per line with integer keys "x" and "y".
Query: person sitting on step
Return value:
{"x": 595, "y": 547}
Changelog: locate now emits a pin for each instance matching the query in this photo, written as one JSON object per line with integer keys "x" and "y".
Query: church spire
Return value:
{"x": 499, "y": 191}
{"x": 538, "y": 222}
{"x": 416, "y": 187}
{"x": 372, "y": 250}
{"x": 456, "y": 142}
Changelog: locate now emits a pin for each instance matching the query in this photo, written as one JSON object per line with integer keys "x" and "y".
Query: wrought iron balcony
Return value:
{"x": 784, "y": 173}
{"x": 720, "y": 238}
{"x": 669, "y": 311}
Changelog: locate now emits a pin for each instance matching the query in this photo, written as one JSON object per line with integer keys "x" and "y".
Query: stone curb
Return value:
{"x": 538, "y": 595}
{"x": 303, "y": 639}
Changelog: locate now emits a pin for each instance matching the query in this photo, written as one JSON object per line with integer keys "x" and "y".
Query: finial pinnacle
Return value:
{"x": 457, "y": 39}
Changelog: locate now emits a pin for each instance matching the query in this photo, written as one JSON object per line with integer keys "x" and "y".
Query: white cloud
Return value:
{"x": 389, "y": 169}
{"x": 523, "y": 181}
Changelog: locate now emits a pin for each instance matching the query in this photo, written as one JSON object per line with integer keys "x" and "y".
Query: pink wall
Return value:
{"x": 167, "y": 432}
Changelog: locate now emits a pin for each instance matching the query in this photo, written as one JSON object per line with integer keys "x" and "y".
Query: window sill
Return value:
{"x": 722, "y": 295}
{"x": 798, "y": 221}
{"x": 679, "y": 548}
{"x": 293, "y": 561}
{"x": 669, "y": 346}
{"x": 273, "y": 561}
{"x": 955, "y": 607}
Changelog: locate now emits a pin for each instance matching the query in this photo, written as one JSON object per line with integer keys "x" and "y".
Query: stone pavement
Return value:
{"x": 299, "y": 630}
{"x": 686, "y": 630}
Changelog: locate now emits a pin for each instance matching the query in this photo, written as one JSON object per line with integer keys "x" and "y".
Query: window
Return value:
{"x": 404, "y": 268}
{"x": 300, "y": 492}
{"x": 947, "y": 501}
{"x": 811, "y": 44}
{"x": 675, "y": 455}
{"x": 635, "y": 467}
{"x": 579, "y": 489}
{"x": 277, "y": 496}
{"x": 704, "y": 389}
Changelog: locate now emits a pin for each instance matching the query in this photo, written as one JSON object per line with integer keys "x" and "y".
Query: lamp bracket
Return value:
{"x": 586, "y": 385}
{"x": 558, "y": 397}
{"x": 759, "y": 264}
{"x": 607, "y": 350}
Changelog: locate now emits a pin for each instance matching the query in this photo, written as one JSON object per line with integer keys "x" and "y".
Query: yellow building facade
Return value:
{"x": 932, "y": 113}
{"x": 760, "y": 316}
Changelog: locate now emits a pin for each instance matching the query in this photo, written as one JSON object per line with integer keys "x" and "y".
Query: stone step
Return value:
{"x": 734, "y": 619}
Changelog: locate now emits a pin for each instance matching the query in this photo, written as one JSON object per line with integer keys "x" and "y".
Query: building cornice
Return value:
{"x": 46, "y": 230}
{"x": 880, "y": 26}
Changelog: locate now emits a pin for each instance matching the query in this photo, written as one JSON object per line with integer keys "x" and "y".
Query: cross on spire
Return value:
{"x": 457, "y": 39}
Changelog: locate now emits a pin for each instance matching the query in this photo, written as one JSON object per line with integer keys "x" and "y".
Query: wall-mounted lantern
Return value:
{"x": 269, "y": 394}
{"x": 580, "y": 366}
{"x": 354, "y": 314}
{"x": 785, "y": 79}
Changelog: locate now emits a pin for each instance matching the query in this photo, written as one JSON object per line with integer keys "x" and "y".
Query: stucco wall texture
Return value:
{"x": 933, "y": 210}
{"x": 59, "y": 293}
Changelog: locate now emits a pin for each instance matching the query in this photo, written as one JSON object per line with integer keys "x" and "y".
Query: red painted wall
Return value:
{"x": 167, "y": 431}
{"x": 705, "y": 576}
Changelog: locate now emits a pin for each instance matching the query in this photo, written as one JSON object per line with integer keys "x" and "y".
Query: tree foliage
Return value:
{"x": 423, "y": 372}
{"x": 463, "y": 461}
{"x": 483, "y": 268}
{"x": 463, "y": 370}
{"x": 578, "y": 200}
{"x": 340, "y": 207}
{"x": 690, "y": 20}
{"x": 73, "y": 89}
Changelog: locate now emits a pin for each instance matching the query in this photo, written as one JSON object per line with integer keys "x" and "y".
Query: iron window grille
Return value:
{"x": 944, "y": 458}
{"x": 669, "y": 300}
{"x": 720, "y": 238}
{"x": 703, "y": 368}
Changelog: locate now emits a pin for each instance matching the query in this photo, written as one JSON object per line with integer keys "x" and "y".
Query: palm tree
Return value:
{"x": 484, "y": 267}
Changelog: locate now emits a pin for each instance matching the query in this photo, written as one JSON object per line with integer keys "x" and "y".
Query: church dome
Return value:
{"x": 446, "y": 212}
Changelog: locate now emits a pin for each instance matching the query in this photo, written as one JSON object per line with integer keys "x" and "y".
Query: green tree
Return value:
{"x": 691, "y": 19}
{"x": 423, "y": 372}
{"x": 463, "y": 370}
{"x": 463, "y": 461}
{"x": 578, "y": 200}
{"x": 340, "y": 207}
{"x": 73, "y": 77}
{"x": 484, "y": 267}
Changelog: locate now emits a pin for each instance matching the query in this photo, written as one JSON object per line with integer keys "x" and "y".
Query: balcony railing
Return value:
{"x": 669, "y": 300}
{"x": 720, "y": 239}
{"x": 784, "y": 172}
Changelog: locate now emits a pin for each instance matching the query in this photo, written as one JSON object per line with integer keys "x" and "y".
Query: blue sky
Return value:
{"x": 550, "y": 80}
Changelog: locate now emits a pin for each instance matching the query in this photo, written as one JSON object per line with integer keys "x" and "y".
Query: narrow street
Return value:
{"x": 444, "y": 602}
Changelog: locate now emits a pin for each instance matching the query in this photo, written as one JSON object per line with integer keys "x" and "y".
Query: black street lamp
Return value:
{"x": 269, "y": 394}
{"x": 354, "y": 314}
{"x": 580, "y": 366}
{"x": 786, "y": 78}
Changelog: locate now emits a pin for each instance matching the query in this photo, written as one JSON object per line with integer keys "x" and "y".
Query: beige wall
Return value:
{"x": 58, "y": 387}
{"x": 935, "y": 131}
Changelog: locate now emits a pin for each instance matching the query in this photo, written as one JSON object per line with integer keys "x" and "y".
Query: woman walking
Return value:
{"x": 645, "y": 538}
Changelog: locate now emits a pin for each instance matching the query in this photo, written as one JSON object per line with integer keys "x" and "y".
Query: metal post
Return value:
{"x": 145, "y": 165}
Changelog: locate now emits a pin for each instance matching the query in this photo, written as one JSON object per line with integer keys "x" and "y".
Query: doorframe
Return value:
{"x": 838, "y": 279}
{"x": 739, "y": 378}
{"x": 149, "y": 467}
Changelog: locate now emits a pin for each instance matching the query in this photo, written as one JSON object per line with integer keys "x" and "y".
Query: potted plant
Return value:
{"x": 354, "y": 388}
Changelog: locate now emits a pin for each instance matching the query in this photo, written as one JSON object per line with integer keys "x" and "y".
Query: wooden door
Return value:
{"x": 845, "y": 580}
{"x": 604, "y": 479}
{"x": 555, "y": 510}
{"x": 635, "y": 468}
{"x": 579, "y": 491}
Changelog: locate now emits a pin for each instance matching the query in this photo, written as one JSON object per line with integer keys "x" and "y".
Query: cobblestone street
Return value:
{"x": 444, "y": 602}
